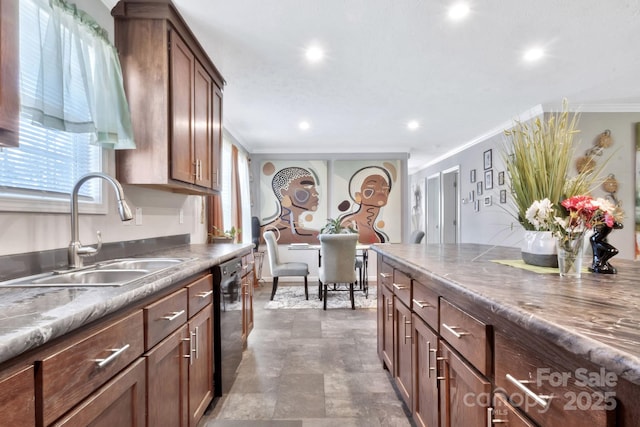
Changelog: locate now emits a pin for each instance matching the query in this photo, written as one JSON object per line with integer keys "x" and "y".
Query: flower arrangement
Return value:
{"x": 225, "y": 234}
{"x": 537, "y": 157}
{"x": 571, "y": 220}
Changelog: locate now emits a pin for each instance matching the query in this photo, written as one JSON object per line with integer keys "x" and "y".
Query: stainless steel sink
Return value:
{"x": 117, "y": 272}
{"x": 92, "y": 277}
{"x": 140, "y": 264}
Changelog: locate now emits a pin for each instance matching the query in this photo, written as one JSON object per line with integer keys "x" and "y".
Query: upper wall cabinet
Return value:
{"x": 175, "y": 97}
{"x": 9, "y": 69}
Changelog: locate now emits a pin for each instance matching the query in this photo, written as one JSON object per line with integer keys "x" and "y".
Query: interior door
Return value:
{"x": 450, "y": 210}
{"x": 433, "y": 209}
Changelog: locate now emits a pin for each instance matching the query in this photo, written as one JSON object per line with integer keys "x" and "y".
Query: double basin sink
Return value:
{"x": 117, "y": 272}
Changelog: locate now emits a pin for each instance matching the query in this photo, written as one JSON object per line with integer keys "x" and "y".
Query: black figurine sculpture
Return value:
{"x": 603, "y": 251}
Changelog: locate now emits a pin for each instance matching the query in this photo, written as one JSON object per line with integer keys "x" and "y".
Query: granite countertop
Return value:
{"x": 30, "y": 317}
{"x": 596, "y": 317}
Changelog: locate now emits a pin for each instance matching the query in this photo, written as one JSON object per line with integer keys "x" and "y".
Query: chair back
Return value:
{"x": 338, "y": 255}
{"x": 255, "y": 232}
{"x": 416, "y": 236}
{"x": 272, "y": 249}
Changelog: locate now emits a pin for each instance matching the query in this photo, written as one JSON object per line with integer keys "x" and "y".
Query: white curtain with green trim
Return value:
{"x": 76, "y": 83}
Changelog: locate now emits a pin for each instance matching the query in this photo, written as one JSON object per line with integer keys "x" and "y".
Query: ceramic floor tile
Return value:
{"x": 310, "y": 368}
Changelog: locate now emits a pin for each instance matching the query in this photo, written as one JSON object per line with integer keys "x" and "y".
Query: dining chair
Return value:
{"x": 338, "y": 253}
{"x": 280, "y": 269}
{"x": 416, "y": 236}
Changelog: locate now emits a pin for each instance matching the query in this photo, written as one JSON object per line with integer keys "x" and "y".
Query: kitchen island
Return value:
{"x": 556, "y": 343}
{"x": 89, "y": 348}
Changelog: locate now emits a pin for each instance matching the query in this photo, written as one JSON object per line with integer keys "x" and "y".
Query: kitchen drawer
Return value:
{"x": 504, "y": 414}
{"x": 200, "y": 294}
{"x": 402, "y": 287}
{"x": 164, "y": 316}
{"x": 385, "y": 275}
{"x": 73, "y": 373}
{"x": 425, "y": 304}
{"x": 247, "y": 264}
{"x": 17, "y": 397}
{"x": 529, "y": 376}
{"x": 469, "y": 336}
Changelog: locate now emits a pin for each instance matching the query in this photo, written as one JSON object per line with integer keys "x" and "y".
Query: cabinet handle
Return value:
{"x": 389, "y": 309}
{"x": 421, "y": 304}
{"x": 116, "y": 353}
{"x": 204, "y": 294}
{"x": 385, "y": 275}
{"x": 452, "y": 329}
{"x": 399, "y": 287}
{"x": 541, "y": 400}
{"x": 173, "y": 315}
{"x": 195, "y": 169}
{"x": 197, "y": 344}
{"x": 406, "y": 322}
{"x": 429, "y": 351}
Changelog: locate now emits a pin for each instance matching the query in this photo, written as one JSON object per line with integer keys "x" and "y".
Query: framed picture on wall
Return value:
{"x": 488, "y": 179}
{"x": 487, "y": 201}
{"x": 501, "y": 178}
{"x": 476, "y": 206}
{"x": 472, "y": 196}
{"x": 472, "y": 176}
{"x": 488, "y": 159}
{"x": 503, "y": 196}
{"x": 479, "y": 188}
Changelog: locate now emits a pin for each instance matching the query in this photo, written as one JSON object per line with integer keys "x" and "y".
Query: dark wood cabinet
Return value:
{"x": 17, "y": 397}
{"x": 247, "y": 280}
{"x": 9, "y": 74}
{"x": 175, "y": 96}
{"x": 426, "y": 408}
{"x": 200, "y": 363}
{"x": 403, "y": 335}
{"x": 167, "y": 380}
{"x": 465, "y": 395}
{"x": 120, "y": 402}
{"x": 385, "y": 327}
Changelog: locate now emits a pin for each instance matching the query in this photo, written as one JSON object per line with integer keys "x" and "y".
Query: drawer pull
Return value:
{"x": 204, "y": 294}
{"x": 116, "y": 353}
{"x": 421, "y": 304}
{"x": 385, "y": 275}
{"x": 539, "y": 399}
{"x": 173, "y": 316}
{"x": 399, "y": 287}
{"x": 455, "y": 333}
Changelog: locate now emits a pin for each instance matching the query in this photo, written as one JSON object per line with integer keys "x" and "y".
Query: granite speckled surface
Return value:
{"x": 30, "y": 317}
{"x": 596, "y": 317}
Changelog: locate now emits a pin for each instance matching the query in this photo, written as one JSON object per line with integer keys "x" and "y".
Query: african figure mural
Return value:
{"x": 297, "y": 198}
{"x": 369, "y": 189}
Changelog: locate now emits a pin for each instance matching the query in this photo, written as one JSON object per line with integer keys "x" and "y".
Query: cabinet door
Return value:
{"x": 9, "y": 66}
{"x": 247, "y": 305}
{"x": 425, "y": 386}
{"x": 120, "y": 402}
{"x": 385, "y": 326}
{"x": 202, "y": 126}
{"x": 182, "y": 63}
{"x": 217, "y": 139}
{"x": 17, "y": 399}
{"x": 464, "y": 393}
{"x": 167, "y": 381}
{"x": 403, "y": 336}
{"x": 200, "y": 364}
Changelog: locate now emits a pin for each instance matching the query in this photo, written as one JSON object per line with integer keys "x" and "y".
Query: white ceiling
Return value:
{"x": 391, "y": 61}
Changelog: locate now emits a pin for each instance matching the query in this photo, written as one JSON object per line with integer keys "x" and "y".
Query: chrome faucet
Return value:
{"x": 76, "y": 250}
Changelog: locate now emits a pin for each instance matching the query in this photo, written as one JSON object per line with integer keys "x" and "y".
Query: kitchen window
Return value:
{"x": 62, "y": 93}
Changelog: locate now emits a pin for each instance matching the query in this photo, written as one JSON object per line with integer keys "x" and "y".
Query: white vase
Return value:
{"x": 539, "y": 248}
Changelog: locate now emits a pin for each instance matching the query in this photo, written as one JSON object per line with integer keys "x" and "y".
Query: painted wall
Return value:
{"x": 27, "y": 232}
{"x": 495, "y": 225}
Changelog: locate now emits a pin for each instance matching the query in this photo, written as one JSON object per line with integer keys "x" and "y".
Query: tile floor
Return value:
{"x": 310, "y": 368}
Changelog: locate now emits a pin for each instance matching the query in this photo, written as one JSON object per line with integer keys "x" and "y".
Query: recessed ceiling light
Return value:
{"x": 304, "y": 125}
{"x": 458, "y": 11}
{"x": 413, "y": 125}
{"x": 314, "y": 54}
{"x": 533, "y": 54}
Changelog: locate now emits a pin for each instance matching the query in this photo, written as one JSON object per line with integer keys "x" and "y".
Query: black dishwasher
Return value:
{"x": 227, "y": 324}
